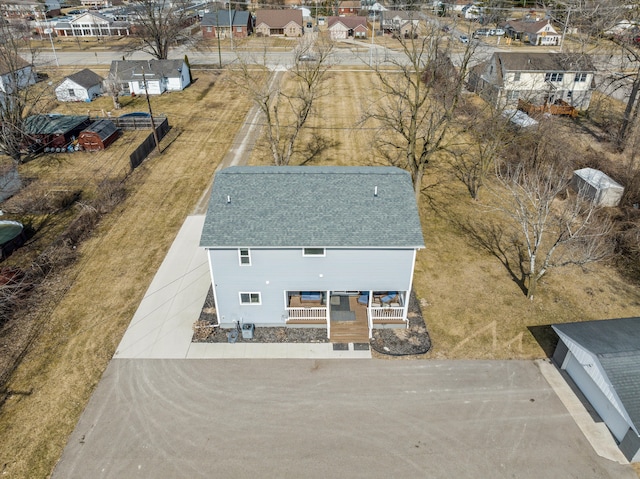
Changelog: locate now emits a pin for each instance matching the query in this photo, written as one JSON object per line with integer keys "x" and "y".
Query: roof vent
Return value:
{"x": 228, "y": 199}
{"x": 375, "y": 191}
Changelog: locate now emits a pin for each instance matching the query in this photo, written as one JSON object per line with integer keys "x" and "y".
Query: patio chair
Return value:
{"x": 391, "y": 295}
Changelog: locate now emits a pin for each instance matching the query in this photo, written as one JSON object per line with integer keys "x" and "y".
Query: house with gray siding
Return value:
{"x": 310, "y": 246}
{"x": 602, "y": 358}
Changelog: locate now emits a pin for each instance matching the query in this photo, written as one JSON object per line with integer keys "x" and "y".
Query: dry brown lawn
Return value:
{"x": 78, "y": 336}
{"x": 472, "y": 307}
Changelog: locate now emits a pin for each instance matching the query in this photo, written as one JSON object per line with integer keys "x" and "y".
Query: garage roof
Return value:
{"x": 616, "y": 344}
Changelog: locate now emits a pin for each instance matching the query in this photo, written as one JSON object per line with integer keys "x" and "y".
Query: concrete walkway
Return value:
{"x": 162, "y": 326}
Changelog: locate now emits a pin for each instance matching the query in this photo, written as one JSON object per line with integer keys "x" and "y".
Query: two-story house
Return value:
{"x": 399, "y": 21}
{"x": 537, "y": 78}
{"x": 540, "y": 32}
{"x": 310, "y": 246}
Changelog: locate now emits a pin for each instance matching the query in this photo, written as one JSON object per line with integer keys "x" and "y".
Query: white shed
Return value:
{"x": 603, "y": 360}
{"x": 84, "y": 85}
{"x": 595, "y": 185}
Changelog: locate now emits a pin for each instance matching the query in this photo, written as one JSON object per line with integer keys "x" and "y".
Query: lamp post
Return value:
{"x": 373, "y": 34}
{"x": 48, "y": 31}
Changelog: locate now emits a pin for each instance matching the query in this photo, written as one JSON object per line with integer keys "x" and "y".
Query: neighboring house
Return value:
{"x": 286, "y": 23}
{"x": 305, "y": 245}
{"x": 399, "y": 21}
{"x": 341, "y": 28}
{"x": 603, "y": 360}
{"x": 223, "y": 21}
{"x": 92, "y": 24}
{"x": 539, "y": 33}
{"x": 349, "y": 8}
{"x": 537, "y": 78}
{"x": 15, "y": 76}
{"x": 160, "y": 75}
{"x": 30, "y": 9}
{"x": 84, "y": 85}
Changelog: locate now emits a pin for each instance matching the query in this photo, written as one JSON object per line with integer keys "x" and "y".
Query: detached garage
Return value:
{"x": 596, "y": 186}
{"x": 98, "y": 136}
{"x": 603, "y": 360}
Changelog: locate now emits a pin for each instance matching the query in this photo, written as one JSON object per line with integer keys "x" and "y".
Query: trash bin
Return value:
{"x": 247, "y": 330}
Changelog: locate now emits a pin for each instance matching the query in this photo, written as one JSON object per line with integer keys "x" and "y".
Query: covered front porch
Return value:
{"x": 349, "y": 316}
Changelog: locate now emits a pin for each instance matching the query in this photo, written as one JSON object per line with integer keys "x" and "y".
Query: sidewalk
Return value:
{"x": 162, "y": 326}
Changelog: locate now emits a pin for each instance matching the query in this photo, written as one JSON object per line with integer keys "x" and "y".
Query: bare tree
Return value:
{"x": 418, "y": 97}
{"x": 18, "y": 97}
{"x": 160, "y": 24}
{"x": 287, "y": 99}
{"x": 555, "y": 228}
{"x": 487, "y": 134}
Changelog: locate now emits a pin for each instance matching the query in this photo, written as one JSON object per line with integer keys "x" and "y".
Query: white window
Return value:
{"x": 245, "y": 256}
{"x": 209, "y": 29}
{"x": 313, "y": 252}
{"x": 516, "y": 76}
{"x": 553, "y": 77}
{"x": 580, "y": 77}
{"x": 513, "y": 95}
{"x": 250, "y": 298}
{"x": 72, "y": 92}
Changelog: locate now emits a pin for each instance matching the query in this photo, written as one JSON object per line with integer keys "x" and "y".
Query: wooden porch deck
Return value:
{"x": 351, "y": 331}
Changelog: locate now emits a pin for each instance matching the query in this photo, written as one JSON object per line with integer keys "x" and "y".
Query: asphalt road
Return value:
{"x": 325, "y": 419}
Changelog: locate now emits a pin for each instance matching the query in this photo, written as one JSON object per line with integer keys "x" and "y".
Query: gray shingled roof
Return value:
{"x": 616, "y": 344}
{"x": 127, "y": 70}
{"x": 86, "y": 78}
{"x": 221, "y": 18}
{"x": 298, "y": 206}
{"x": 545, "y": 62}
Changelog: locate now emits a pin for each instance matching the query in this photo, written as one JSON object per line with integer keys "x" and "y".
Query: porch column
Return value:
{"x": 327, "y": 313}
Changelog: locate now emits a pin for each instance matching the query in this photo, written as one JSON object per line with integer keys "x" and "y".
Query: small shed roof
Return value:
{"x": 103, "y": 128}
{"x": 312, "y": 206}
{"x": 52, "y": 124}
{"x": 519, "y": 118}
{"x": 616, "y": 344}
{"x": 597, "y": 179}
{"x": 86, "y": 78}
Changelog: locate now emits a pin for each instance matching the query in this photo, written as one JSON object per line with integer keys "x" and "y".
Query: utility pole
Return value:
{"x": 564, "y": 31}
{"x": 153, "y": 125}
{"x": 230, "y": 25}
{"x": 218, "y": 36}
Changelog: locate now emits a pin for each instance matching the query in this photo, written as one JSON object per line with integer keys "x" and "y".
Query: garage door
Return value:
{"x": 610, "y": 415}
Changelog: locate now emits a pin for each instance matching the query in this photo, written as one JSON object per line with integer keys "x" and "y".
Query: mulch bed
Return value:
{"x": 413, "y": 340}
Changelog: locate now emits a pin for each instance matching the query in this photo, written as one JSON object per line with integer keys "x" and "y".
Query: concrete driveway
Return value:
{"x": 328, "y": 418}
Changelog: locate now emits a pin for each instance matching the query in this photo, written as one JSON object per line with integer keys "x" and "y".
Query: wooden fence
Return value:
{"x": 140, "y": 153}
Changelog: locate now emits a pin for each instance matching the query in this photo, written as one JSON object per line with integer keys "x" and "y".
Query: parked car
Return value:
{"x": 306, "y": 58}
{"x": 482, "y": 32}
{"x": 463, "y": 38}
{"x": 497, "y": 32}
